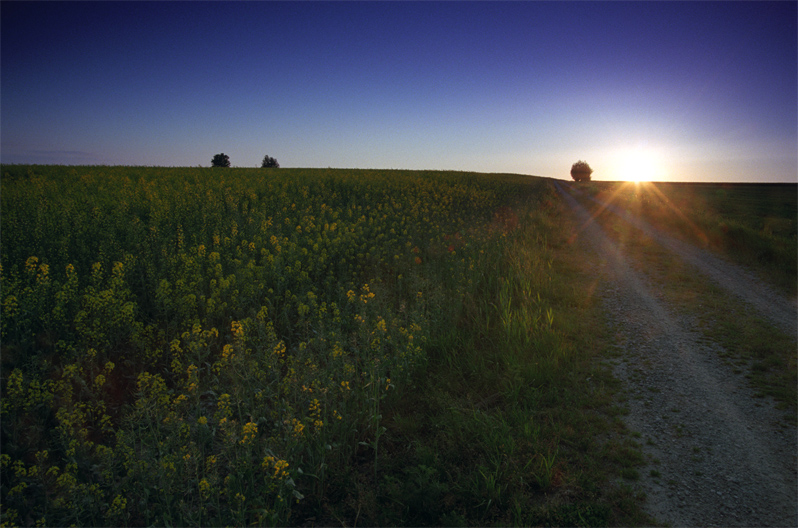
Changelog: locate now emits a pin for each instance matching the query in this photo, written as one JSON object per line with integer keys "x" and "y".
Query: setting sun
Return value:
{"x": 639, "y": 165}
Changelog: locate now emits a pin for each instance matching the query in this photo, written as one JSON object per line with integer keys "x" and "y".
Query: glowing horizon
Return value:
{"x": 680, "y": 91}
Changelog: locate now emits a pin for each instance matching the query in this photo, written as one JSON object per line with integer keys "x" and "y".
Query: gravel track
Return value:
{"x": 777, "y": 309}
{"x": 716, "y": 455}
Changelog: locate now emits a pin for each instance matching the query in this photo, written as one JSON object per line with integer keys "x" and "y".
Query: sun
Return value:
{"x": 639, "y": 165}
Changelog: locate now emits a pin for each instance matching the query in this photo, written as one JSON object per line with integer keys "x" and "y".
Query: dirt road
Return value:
{"x": 780, "y": 311}
{"x": 717, "y": 456}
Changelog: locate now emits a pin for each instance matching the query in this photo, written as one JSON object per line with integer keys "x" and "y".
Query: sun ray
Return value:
{"x": 667, "y": 201}
{"x": 602, "y": 204}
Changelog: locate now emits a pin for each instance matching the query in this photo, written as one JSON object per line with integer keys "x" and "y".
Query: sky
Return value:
{"x": 672, "y": 91}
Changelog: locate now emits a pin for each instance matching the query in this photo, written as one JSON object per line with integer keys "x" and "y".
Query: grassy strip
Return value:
{"x": 753, "y": 225}
{"x": 512, "y": 420}
{"x": 753, "y": 346}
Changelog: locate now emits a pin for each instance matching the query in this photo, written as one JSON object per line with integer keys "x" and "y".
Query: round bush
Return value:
{"x": 581, "y": 171}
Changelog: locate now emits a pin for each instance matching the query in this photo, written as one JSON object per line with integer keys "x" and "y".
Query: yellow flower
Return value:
{"x": 281, "y": 468}
{"x": 31, "y": 263}
{"x": 44, "y": 270}
{"x": 19, "y": 488}
{"x": 296, "y": 427}
{"x": 224, "y": 405}
{"x": 117, "y": 506}
{"x": 249, "y": 432}
{"x": 204, "y": 487}
{"x": 202, "y": 420}
{"x": 11, "y": 305}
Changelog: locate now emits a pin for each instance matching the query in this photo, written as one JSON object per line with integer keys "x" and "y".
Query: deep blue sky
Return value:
{"x": 703, "y": 91}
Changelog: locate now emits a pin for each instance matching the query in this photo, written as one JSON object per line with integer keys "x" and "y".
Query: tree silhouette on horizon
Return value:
{"x": 220, "y": 160}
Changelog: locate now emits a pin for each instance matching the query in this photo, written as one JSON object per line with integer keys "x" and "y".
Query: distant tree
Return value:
{"x": 581, "y": 171}
{"x": 268, "y": 162}
{"x": 220, "y": 160}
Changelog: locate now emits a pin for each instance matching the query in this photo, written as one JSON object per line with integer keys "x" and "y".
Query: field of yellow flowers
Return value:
{"x": 214, "y": 347}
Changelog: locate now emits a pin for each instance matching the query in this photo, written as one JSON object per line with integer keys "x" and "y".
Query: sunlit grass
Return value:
{"x": 752, "y": 224}
{"x": 753, "y": 346}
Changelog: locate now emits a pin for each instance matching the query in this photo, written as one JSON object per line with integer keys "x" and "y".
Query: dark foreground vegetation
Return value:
{"x": 189, "y": 347}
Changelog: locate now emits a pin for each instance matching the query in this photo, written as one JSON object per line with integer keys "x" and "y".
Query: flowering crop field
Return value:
{"x": 193, "y": 346}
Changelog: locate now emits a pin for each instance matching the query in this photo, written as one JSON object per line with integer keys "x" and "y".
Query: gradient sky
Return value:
{"x": 694, "y": 91}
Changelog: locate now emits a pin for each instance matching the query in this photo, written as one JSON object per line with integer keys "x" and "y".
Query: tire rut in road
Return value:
{"x": 777, "y": 309}
{"x": 716, "y": 455}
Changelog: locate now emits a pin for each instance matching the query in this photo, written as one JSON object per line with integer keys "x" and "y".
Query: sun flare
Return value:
{"x": 639, "y": 165}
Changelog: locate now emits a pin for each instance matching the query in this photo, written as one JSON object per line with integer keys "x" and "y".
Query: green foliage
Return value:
{"x": 581, "y": 171}
{"x": 220, "y": 160}
{"x": 190, "y": 350}
{"x": 269, "y": 162}
{"x": 503, "y": 427}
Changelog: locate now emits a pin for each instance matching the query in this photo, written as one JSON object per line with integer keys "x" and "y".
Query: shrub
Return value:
{"x": 581, "y": 171}
{"x": 220, "y": 160}
{"x": 268, "y": 162}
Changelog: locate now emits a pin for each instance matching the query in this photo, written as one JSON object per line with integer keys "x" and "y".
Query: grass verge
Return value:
{"x": 752, "y": 224}
{"x": 513, "y": 419}
{"x": 753, "y": 346}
